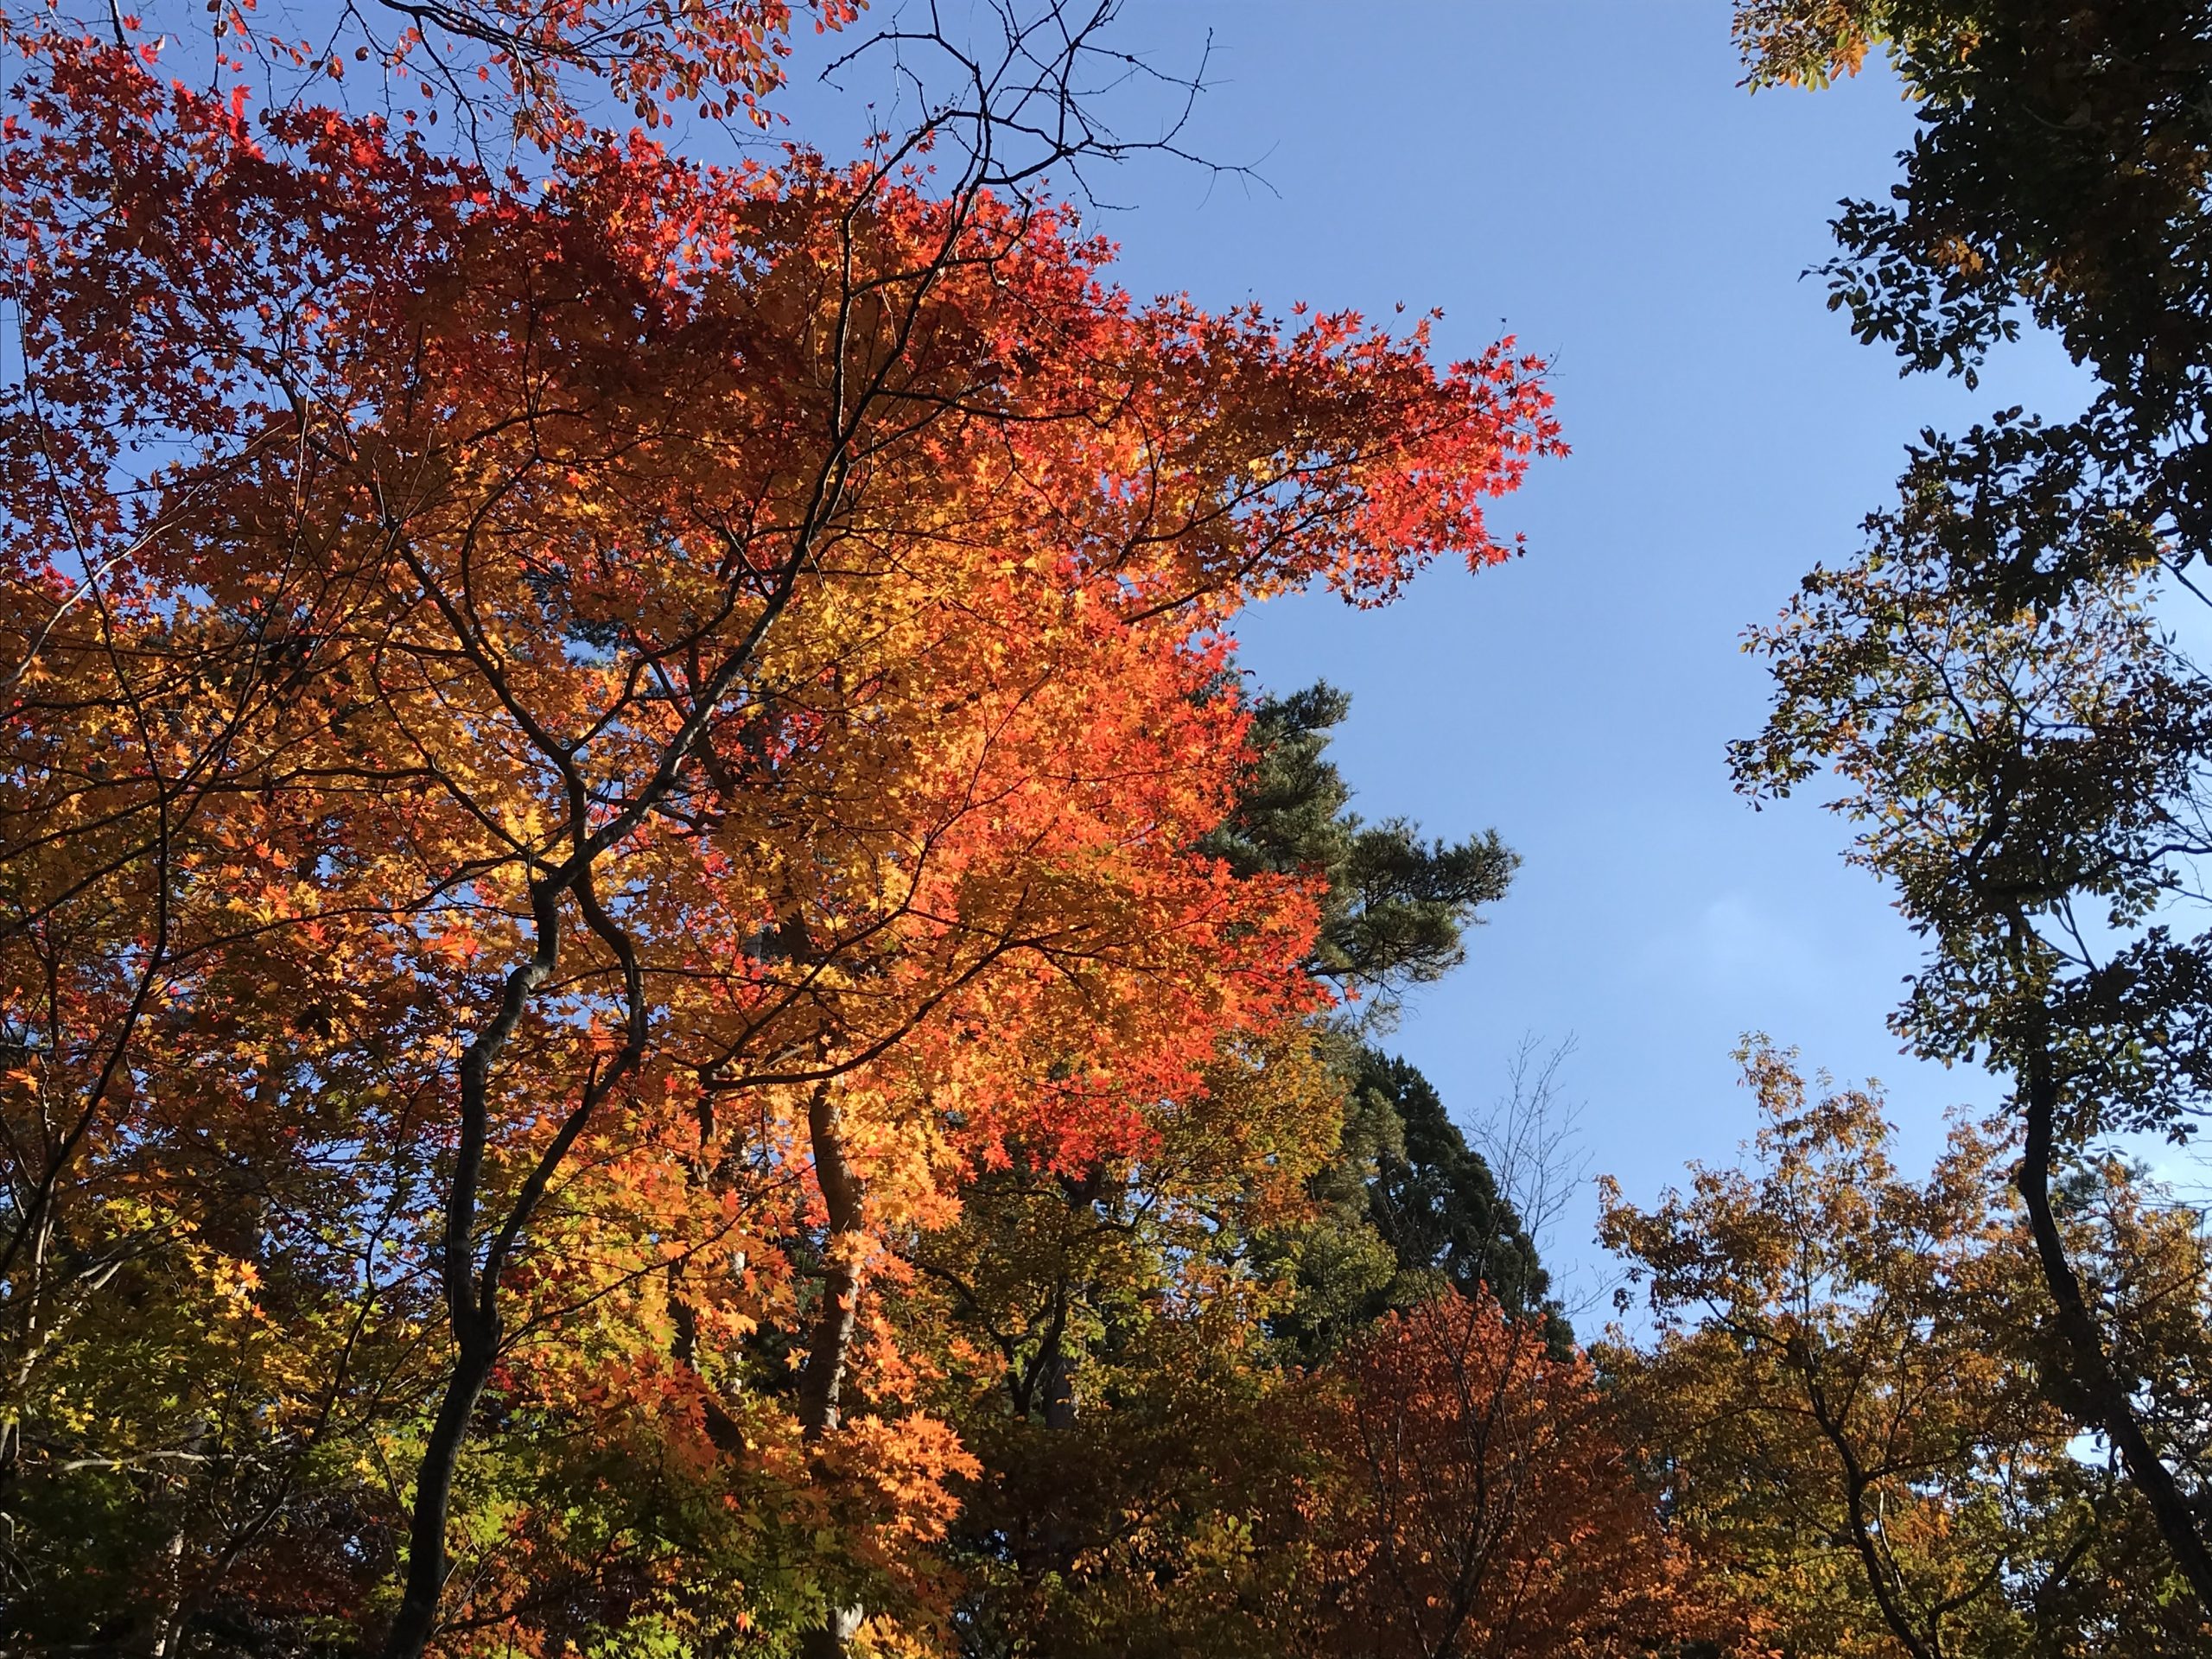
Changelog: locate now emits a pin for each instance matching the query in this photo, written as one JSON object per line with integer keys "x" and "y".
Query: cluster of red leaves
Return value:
{"x": 1492, "y": 1508}
{"x": 549, "y": 71}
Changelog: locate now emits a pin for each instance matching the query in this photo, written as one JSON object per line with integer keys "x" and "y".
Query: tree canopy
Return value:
{"x": 662, "y": 992}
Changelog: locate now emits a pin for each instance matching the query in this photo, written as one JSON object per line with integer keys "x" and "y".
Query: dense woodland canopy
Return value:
{"x": 661, "y": 994}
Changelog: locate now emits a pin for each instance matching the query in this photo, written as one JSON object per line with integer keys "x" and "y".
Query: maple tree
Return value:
{"x": 546, "y": 76}
{"x": 582, "y": 753}
{"x": 1489, "y": 1505}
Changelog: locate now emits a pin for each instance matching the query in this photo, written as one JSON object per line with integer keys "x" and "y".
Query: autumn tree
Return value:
{"x": 1993, "y": 677}
{"x": 2028, "y": 782}
{"x": 1109, "y": 1365}
{"x": 1847, "y": 1389}
{"x": 1488, "y": 1505}
{"x": 558, "y": 790}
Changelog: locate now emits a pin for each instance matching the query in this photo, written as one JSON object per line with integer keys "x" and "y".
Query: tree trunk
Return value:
{"x": 166, "y": 1637}
{"x": 1059, "y": 1391}
{"x": 471, "y": 1304}
{"x": 2083, "y": 1346}
{"x": 822, "y": 1382}
{"x": 416, "y": 1620}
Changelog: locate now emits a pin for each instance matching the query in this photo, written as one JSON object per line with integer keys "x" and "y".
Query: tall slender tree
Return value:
{"x": 2016, "y": 729}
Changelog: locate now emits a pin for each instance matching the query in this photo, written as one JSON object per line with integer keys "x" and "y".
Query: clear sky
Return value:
{"x": 1591, "y": 177}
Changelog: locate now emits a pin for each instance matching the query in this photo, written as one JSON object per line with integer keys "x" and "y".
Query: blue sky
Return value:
{"x": 1591, "y": 177}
